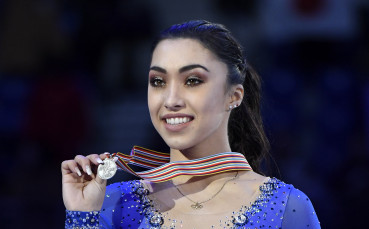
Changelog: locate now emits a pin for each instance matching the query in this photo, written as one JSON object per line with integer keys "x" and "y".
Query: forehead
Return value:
{"x": 182, "y": 51}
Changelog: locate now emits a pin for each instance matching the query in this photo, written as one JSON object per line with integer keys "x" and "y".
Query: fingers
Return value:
{"x": 96, "y": 160}
{"x": 88, "y": 162}
{"x": 82, "y": 164}
{"x": 70, "y": 166}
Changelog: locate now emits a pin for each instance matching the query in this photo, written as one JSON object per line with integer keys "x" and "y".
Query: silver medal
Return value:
{"x": 108, "y": 169}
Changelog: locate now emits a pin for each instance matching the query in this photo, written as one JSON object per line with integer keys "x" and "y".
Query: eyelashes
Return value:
{"x": 191, "y": 81}
{"x": 157, "y": 82}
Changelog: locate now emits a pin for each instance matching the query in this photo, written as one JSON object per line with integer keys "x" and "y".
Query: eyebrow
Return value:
{"x": 181, "y": 70}
{"x": 192, "y": 66}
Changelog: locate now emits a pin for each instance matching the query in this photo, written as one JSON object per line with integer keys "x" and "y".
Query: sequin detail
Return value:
{"x": 127, "y": 205}
{"x": 82, "y": 220}
{"x": 238, "y": 220}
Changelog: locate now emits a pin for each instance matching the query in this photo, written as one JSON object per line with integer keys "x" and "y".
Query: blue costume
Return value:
{"x": 127, "y": 205}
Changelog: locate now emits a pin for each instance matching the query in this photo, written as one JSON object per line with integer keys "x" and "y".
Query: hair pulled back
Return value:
{"x": 245, "y": 127}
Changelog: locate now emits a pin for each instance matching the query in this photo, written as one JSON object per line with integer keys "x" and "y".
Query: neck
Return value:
{"x": 215, "y": 144}
{"x": 190, "y": 154}
{"x": 195, "y": 153}
{"x": 204, "y": 149}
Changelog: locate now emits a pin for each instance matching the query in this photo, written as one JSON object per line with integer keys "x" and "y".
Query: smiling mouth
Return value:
{"x": 177, "y": 121}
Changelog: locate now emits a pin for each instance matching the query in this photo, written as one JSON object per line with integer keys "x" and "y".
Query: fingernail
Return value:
{"x": 78, "y": 171}
{"x": 99, "y": 161}
{"x": 88, "y": 170}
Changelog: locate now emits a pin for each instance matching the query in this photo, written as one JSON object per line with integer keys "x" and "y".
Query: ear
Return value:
{"x": 236, "y": 95}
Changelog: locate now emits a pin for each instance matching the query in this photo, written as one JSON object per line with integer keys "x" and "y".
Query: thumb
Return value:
{"x": 100, "y": 181}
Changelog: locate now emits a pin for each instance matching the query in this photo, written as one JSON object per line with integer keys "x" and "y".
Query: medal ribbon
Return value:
{"x": 161, "y": 169}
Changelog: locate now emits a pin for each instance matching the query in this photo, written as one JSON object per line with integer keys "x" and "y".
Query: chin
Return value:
{"x": 178, "y": 144}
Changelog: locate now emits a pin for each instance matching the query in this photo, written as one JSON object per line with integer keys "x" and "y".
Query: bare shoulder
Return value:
{"x": 251, "y": 176}
{"x": 251, "y": 180}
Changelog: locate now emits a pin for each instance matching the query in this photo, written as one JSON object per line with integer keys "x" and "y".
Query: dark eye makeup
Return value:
{"x": 190, "y": 81}
{"x": 193, "y": 81}
{"x": 157, "y": 82}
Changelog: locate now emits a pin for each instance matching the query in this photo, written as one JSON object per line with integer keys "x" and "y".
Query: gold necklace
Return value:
{"x": 198, "y": 205}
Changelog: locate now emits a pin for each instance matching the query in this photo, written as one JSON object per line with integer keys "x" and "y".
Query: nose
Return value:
{"x": 173, "y": 100}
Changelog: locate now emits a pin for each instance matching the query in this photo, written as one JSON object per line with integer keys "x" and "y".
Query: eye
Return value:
{"x": 157, "y": 82}
{"x": 193, "y": 81}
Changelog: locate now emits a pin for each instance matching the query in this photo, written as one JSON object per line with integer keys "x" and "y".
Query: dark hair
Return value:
{"x": 245, "y": 126}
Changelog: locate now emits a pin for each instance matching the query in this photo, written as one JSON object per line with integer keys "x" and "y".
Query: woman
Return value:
{"x": 204, "y": 102}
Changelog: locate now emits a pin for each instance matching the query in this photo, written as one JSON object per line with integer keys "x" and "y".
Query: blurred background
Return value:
{"x": 73, "y": 80}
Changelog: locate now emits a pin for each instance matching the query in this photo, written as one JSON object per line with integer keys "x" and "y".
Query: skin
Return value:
{"x": 185, "y": 79}
{"x": 196, "y": 92}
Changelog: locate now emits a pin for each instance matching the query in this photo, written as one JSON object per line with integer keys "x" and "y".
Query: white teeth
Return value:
{"x": 176, "y": 121}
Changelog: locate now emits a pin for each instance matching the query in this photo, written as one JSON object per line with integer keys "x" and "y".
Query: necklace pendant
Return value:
{"x": 196, "y": 206}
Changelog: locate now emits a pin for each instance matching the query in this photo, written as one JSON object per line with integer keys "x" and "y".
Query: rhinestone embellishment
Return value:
{"x": 156, "y": 220}
{"x": 240, "y": 220}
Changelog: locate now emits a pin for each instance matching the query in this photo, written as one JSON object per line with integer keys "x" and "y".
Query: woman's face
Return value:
{"x": 187, "y": 95}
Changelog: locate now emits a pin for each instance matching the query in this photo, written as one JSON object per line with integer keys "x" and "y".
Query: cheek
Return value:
{"x": 153, "y": 102}
{"x": 212, "y": 102}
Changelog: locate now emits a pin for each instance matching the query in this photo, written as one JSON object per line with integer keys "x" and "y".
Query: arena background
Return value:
{"x": 73, "y": 80}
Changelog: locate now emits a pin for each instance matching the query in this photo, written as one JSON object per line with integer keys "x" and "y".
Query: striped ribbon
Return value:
{"x": 160, "y": 169}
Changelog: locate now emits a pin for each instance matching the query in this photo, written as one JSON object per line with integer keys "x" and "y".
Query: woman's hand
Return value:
{"x": 83, "y": 190}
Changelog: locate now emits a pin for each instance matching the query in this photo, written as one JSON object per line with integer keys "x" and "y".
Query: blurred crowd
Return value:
{"x": 73, "y": 80}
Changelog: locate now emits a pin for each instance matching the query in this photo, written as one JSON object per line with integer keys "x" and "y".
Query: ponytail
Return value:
{"x": 245, "y": 127}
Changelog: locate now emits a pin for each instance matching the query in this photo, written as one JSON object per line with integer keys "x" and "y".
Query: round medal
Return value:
{"x": 108, "y": 169}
